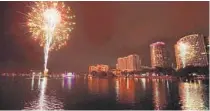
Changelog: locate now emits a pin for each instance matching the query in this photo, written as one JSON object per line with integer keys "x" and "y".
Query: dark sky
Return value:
{"x": 104, "y": 32}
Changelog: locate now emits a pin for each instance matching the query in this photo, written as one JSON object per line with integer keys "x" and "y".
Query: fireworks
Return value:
{"x": 183, "y": 52}
{"x": 50, "y": 23}
{"x": 186, "y": 53}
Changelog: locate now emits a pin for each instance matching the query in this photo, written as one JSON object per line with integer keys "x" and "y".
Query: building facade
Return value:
{"x": 99, "y": 68}
{"x": 206, "y": 41}
{"x": 191, "y": 51}
{"x": 120, "y": 63}
{"x": 124, "y": 68}
{"x": 133, "y": 62}
{"x": 159, "y": 55}
{"x": 129, "y": 63}
{"x": 117, "y": 66}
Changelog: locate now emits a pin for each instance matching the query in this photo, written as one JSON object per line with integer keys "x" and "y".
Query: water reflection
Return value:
{"x": 67, "y": 82}
{"x": 98, "y": 86}
{"x": 143, "y": 81}
{"x": 39, "y": 81}
{"x": 125, "y": 90}
{"x": 32, "y": 83}
{"x": 159, "y": 94}
{"x": 43, "y": 102}
{"x": 145, "y": 93}
{"x": 42, "y": 98}
{"x": 193, "y": 96}
{"x": 93, "y": 85}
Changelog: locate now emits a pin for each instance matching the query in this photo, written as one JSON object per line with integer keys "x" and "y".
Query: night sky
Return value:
{"x": 104, "y": 32}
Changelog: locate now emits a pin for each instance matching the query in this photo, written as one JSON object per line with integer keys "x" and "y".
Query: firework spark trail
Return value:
{"x": 52, "y": 17}
{"x": 50, "y": 23}
{"x": 183, "y": 52}
{"x": 187, "y": 53}
{"x": 47, "y": 49}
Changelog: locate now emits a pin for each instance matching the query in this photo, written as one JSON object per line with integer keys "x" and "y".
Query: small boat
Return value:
{"x": 69, "y": 74}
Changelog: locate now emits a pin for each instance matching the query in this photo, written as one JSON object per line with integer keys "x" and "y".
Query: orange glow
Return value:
{"x": 159, "y": 94}
{"x": 125, "y": 90}
{"x": 98, "y": 86}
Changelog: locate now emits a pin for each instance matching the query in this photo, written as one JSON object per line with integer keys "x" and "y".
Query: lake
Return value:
{"x": 26, "y": 93}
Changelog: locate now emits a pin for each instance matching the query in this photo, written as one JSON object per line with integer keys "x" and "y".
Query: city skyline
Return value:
{"x": 190, "y": 50}
{"x": 100, "y": 38}
{"x": 110, "y": 55}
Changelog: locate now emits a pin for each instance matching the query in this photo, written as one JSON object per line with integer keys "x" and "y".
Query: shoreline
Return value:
{"x": 106, "y": 77}
{"x": 154, "y": 77}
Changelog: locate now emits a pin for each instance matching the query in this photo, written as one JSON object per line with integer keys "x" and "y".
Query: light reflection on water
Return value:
{"x": 32, "y": 83}
{"x": 98, "y": 86}
{"x": 138, "y": 93}
{"x": 125, "y": 90}
{"x": 67, "y": 82}
{"x": 192, "y": 96}
{"x": 159, "y": 94}
{"x": 43, "y": 102}
{"x": 143, "y": 81}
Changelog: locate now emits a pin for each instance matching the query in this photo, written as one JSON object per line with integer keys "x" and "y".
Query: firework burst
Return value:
{"x": 50, "y": 23}
{"x": 187, "y": 53}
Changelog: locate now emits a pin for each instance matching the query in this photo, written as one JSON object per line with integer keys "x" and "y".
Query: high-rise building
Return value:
{"x": 191, "y": 51}
{"x": 125, "y": 59}
{"x": 129, "y": 63}
{"x": 120, "y": 63}
{"x": 133, "y": 62}
{"x": 159, "y": 55}
{"x": 206, "y": 41}
{"x": 117, "y": 66}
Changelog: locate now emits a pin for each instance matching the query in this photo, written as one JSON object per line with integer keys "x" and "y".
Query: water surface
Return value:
{"x": 96, "y": 93}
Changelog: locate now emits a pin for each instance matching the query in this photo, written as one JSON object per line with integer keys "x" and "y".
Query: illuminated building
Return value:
{"x": 116, "y": 72}
{"x": 206, "y": 42}
{"x": 104, "y": 68}
{"x": 99, "y": 68}
{"x": 92, "y": 68}
{"x": 129, "y": 63}
{"x": 120, "y": 63}
{"x": 191, "y": 51}
{"x": 117, "y": 67}
{"x": 159, "y": 55}
{"x": 133, "y": 62}
{"x": 124, "y": 64}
